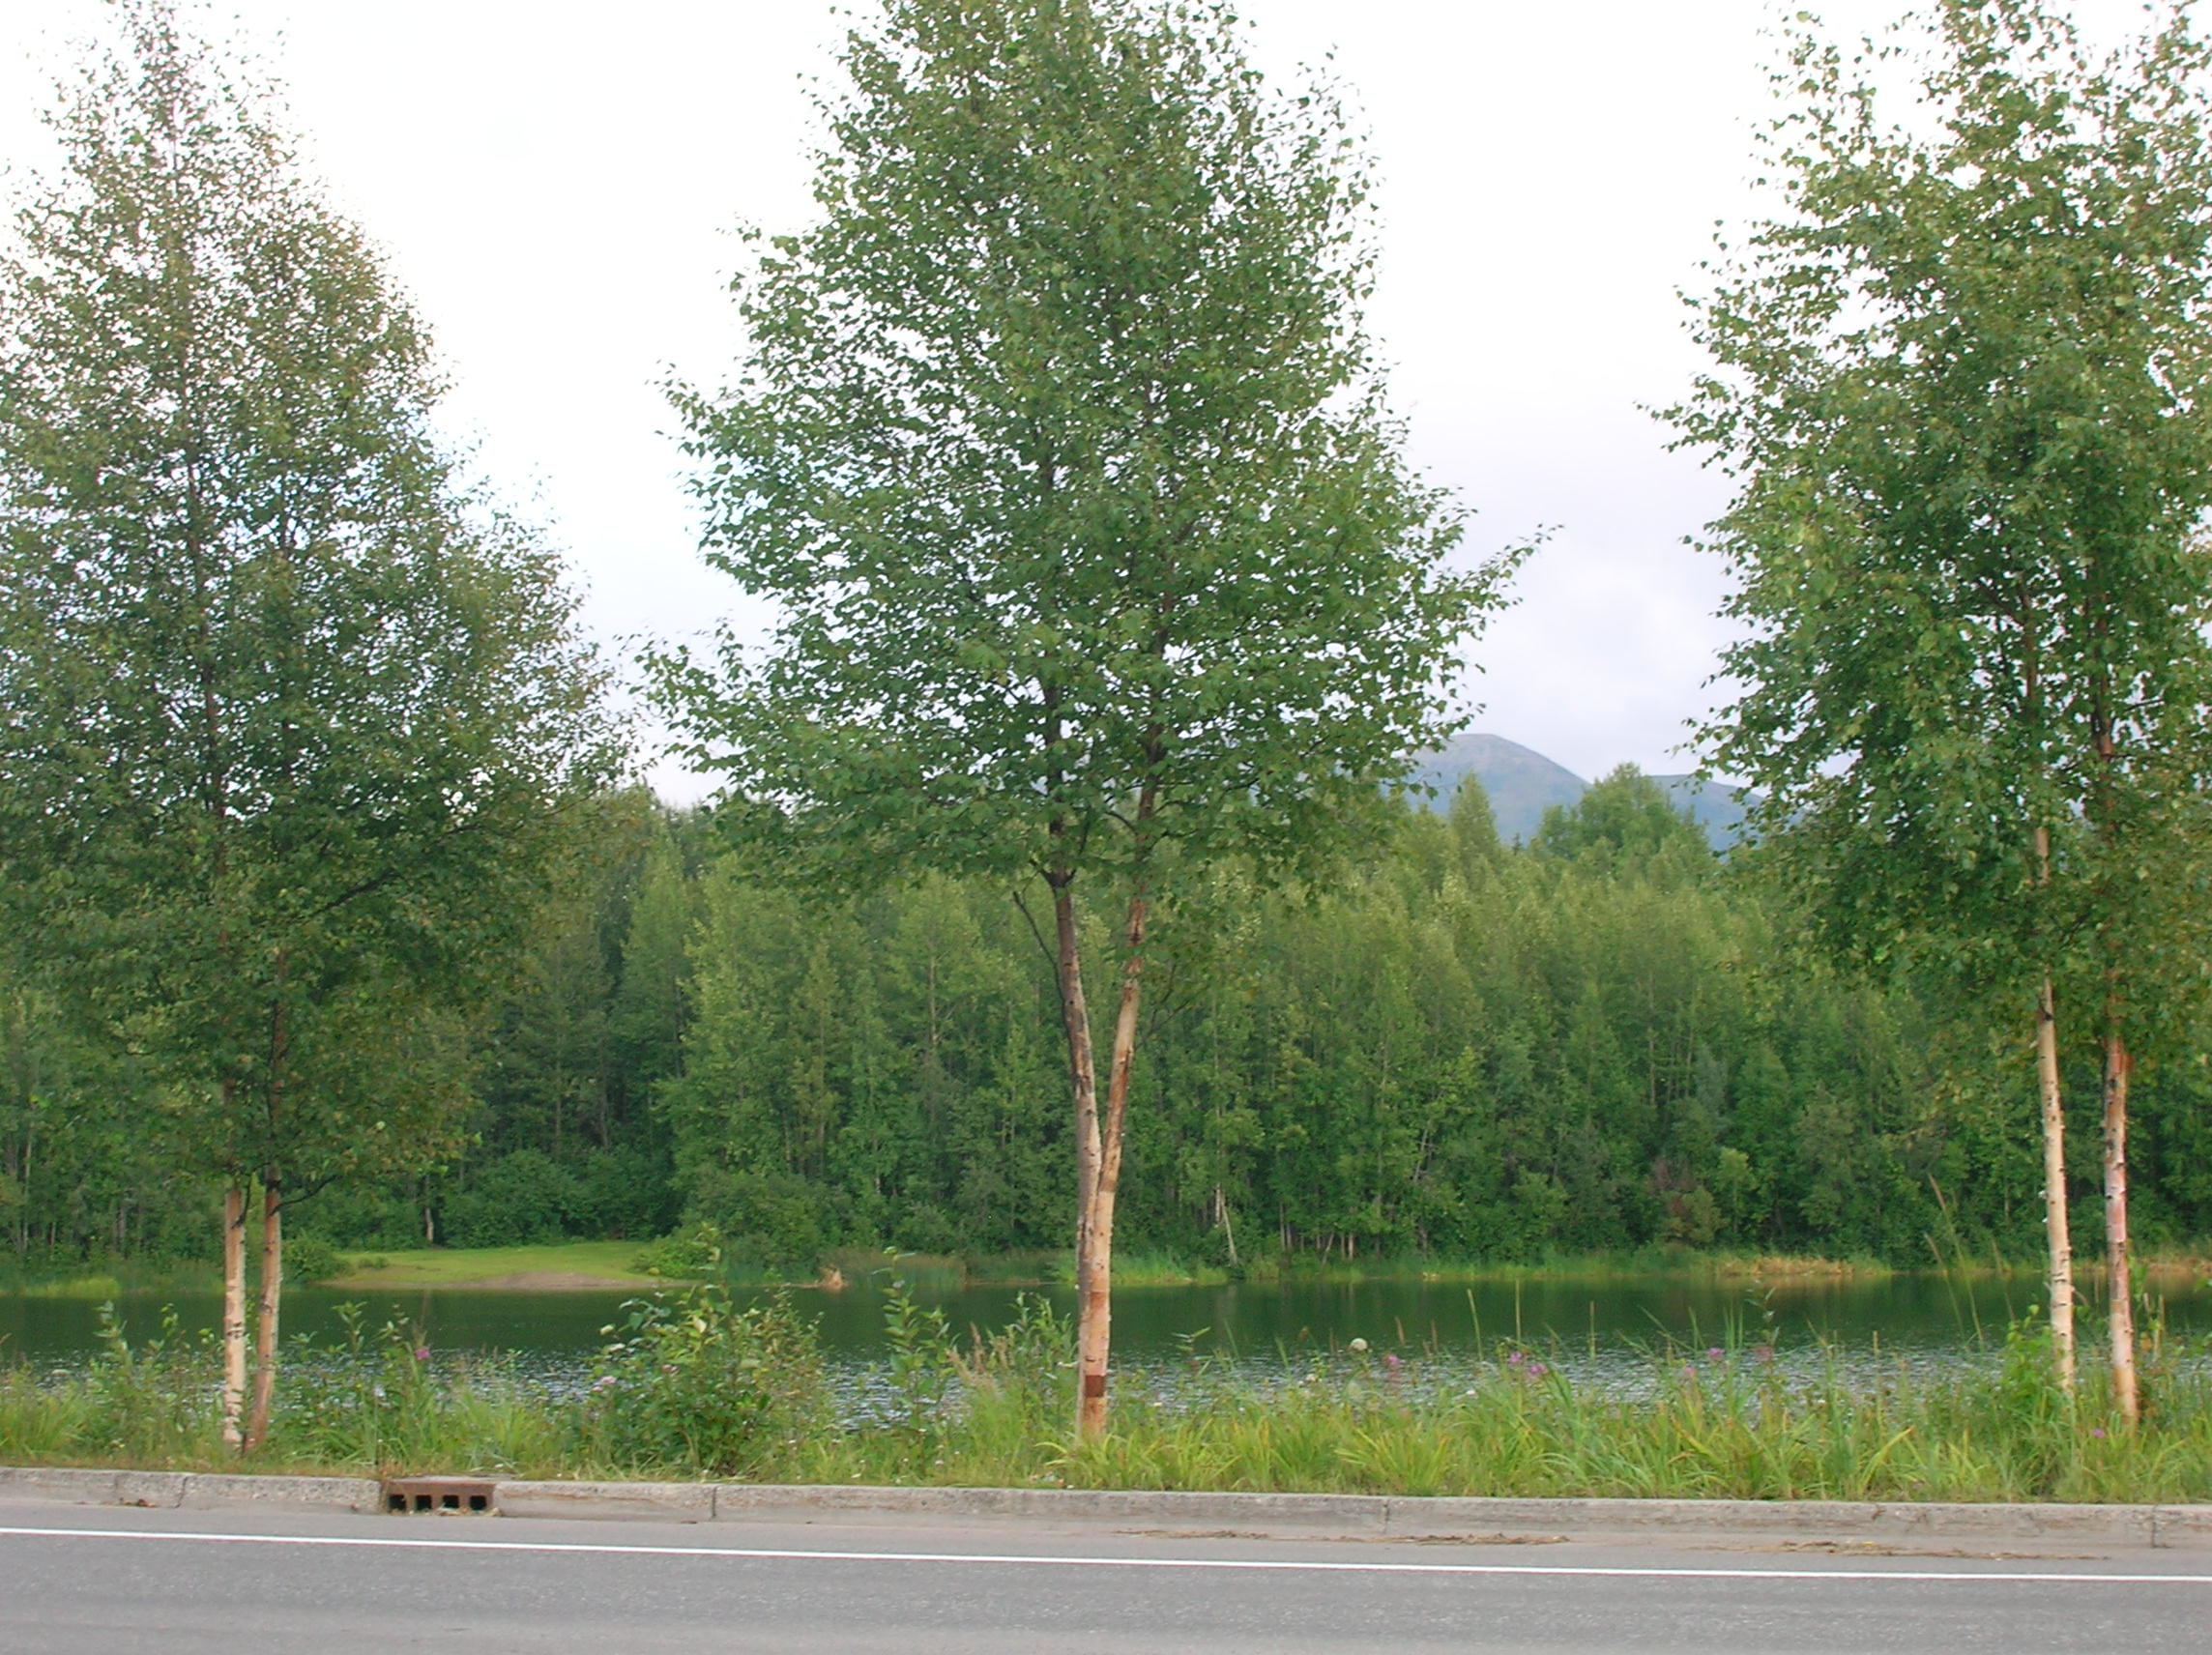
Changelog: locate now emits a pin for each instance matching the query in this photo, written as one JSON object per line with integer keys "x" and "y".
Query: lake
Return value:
{"x": 1598, "y": 1329}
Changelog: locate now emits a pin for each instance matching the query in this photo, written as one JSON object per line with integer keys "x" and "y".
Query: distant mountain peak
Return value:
{"x": 1523, "y": 784}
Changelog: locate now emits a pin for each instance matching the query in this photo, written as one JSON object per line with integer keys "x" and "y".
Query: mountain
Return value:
{"x": 1523, "y": 784}
{"x": 1716, "y": 806}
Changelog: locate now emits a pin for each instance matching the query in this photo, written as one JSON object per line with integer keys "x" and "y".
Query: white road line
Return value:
{"x": 1017, "y": 1560}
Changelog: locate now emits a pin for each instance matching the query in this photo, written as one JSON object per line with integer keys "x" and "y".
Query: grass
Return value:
{"x": 105, "y": 1280}
{"x": 1716, "y": 1435}
{"x": 1644, "y": 1264}
{"x": 708, "y": 1390}
{"x": 2193, "y": 1264}
{"x": 91, "y": 1287}
{"x": 596, "y": 1261}
{"x": 853, "y": 1266}
{"x": 615, "y": 1263}
{"x": 1135, "y": 1268}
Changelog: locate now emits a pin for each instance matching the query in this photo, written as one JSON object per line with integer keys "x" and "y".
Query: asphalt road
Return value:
{"x": 106, "y": 1581}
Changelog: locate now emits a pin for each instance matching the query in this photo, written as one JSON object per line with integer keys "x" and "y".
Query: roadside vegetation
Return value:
{"x": 690, "y": 1386}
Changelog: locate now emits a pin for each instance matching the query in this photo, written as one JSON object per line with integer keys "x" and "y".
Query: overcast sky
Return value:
{"x": 555, "y": 184}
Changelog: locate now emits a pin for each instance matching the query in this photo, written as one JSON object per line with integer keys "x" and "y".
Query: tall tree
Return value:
{"x": 1965, "y": 389}
{"x": 288, "y": 720}
{"x": 1065, "y": 454}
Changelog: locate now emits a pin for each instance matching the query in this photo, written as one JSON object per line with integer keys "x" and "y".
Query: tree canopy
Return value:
{"x": 1962, "y": 383}
{"x": 1063, "y": 455}
{"x": 289, "y": 719}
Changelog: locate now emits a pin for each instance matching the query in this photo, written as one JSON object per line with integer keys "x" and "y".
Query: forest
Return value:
{"x": 1600, "y": 1041}
{"x": 1060, "y": 818}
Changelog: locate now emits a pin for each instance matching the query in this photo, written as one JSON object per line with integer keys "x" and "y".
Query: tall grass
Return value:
{"x": 1704, "y": 1430}
{"x": 105, "y": 1280}
{"x": 692, "y": 1386}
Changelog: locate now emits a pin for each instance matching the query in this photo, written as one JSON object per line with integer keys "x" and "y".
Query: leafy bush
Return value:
{"x": 383, "y": 1401}
{"x": 311, "y": 1258}
{"x": 523, "y": 1198}
{"x": 693, "y": 1387}
{"x": 623, "y": 1192}
{"x": 924, "y": 1372}
{"x": 769, "y": 1218}
{"x": 374, "y": 1402}
{"x": 689, "y": 1254}
{"x": 150, "y": 1404}
{"x": 1031, "y": 1358}
{"x": 693, "y": 1382}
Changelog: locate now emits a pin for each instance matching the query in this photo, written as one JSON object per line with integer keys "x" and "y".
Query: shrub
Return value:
{"x": 926, "y": 1372}
{"x": 311, "y": 1258}
{"x": 689, "y": 1254}
{"x": 769, "y": 1218}
{"x": 626, "y": 1192}
{"x": 693, "y": 1382}
{"x": 520, "y": 1198}
{"x": 150, "y": 1405}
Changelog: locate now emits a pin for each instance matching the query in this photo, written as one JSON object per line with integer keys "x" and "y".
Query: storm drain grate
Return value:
{"x": 461, "y": 1497}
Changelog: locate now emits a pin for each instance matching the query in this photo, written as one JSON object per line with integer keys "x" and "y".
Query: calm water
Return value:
{"x": 1599, "y": 1330}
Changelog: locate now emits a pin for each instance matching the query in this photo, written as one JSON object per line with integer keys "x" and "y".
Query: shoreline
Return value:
{"x": 609, "y": 1267}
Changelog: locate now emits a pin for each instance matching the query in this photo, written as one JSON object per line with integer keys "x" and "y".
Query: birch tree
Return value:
{"x": 1963, "y": 386}
{"x": 1063, "y": 453}
{"x": 288, "y": 722}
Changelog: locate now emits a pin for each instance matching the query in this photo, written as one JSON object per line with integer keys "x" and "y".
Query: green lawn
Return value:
{"x": 560, "y": 1265}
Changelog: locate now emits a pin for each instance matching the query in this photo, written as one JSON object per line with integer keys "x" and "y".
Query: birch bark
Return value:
{"x": 233, "y": 1315}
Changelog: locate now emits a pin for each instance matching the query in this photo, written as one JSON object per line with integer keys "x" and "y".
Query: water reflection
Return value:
{"x": 1273, "y": 1333}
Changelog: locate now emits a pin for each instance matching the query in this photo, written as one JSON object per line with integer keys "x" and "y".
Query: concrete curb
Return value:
{"x": 1374, "y": 1516}
{"x": 1332, "y": 1514}
{"x": 666, "y": 1502}
{"x": 187, "y": 1491}
{"x": 1407, "y": 1518}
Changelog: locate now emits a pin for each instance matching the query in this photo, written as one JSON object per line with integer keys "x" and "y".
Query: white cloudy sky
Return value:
{"x": 554, "y": 182}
